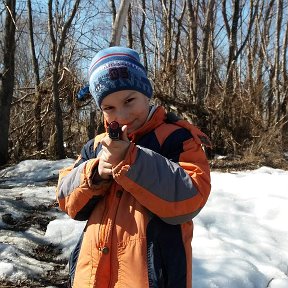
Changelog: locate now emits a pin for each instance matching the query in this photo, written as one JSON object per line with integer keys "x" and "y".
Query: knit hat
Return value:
{"x": 115, "y": 69}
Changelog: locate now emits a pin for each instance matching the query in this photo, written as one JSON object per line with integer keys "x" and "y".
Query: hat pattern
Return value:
{"x": 114, "y": 69}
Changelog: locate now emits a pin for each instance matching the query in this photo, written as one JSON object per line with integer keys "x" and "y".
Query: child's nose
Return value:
{"x": 121, "y": 116}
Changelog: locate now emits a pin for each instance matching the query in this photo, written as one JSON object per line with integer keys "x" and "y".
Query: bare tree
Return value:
{"x": 37, "y": 106}
{"x": 7, "y": 78}
{"x": 263, "y": 36}
{"x": 202, "y": 83}
{"x": 231, "y": 115}
{"x": 284, "y": 106}
{"x": 167, "y": 8}
{"x": 129, "y": 28}
{"x": 114, "y": 11}
{"x": 57, "y": 49}
{"x": 192, "y": 55}
{"x": 222, "y": 67}
{"x": 177, "y": 44}
{"x": 142, "y": 34}
{"x": 119, "y": 22}
{"x": 276, "y": 78}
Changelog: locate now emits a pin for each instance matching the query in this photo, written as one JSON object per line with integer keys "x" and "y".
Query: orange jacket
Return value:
{"x": 139, "y": 227}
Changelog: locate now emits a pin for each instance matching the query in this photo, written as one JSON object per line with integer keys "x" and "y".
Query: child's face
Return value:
{"x": 127, "y": 107}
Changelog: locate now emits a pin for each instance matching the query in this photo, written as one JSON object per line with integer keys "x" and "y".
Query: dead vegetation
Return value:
{"x": 229, "y": 81}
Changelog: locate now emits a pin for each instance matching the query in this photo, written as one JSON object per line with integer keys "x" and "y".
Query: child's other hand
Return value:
{"x": 104, "y": 167}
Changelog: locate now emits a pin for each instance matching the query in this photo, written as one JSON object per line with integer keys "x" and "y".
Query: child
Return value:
{"x": 139, "y": 193}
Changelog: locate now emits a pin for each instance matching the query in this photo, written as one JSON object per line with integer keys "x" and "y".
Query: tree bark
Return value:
{"x": 203, "y": 65}
{"x": 167, "y": 9}
{"x": 113, "y": 8}
{"x": 7, "y": 79}
{"x": 129, "y": 28}
{"x": 37, "y": 105}
{"x": 142, "y": 35}
{"x": 192, "y": 56}
{"x": 119, "y": 23}
{"x": 284, "y": 105}
{"x": 276, "y": 80}
{"x": 57, "y": 50}
{"x": 232, "y": 36}
{"x": 177, "y": 44}
{"x": 232, "y": 33}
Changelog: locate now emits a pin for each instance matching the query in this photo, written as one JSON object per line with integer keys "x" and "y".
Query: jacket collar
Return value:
{"x": 155, "y": 120}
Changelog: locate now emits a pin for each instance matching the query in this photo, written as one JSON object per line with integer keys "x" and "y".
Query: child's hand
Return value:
{"x": 112, "y": 153}
{"x": 104, "y": 167}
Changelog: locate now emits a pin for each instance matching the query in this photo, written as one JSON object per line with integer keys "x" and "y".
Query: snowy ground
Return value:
{"x": 240, "y": 237}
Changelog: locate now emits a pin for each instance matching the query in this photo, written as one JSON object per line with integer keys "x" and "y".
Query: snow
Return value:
{"x": 240, "y": 236}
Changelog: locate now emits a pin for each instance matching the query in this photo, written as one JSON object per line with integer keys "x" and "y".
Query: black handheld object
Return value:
{"x": 114, "y": 130}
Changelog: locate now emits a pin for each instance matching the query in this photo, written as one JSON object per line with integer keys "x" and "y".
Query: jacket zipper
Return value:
{"x": 101, "y": 229}
{"x": 102, "y": 237}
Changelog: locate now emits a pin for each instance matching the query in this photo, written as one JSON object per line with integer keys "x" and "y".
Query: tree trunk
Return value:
{"x": 57, "y": 50}
{"x": 167, "y": 9}
{"x": 142, "y": 35}
{"x": 7, "y": 79}
{"x": 119, "y": 23}
{"x": 113, "y": 8}
{"x": 129, "y": 28}
{"x": 91, "y": 129}
{"x": 232, "y": 35}
{"x": 284, "y": 106}
{"x": 203, "y": 65}
{"x": 193, "y": 47}
{"x": 37, "y": 105}
{"x": 276, "y": 80}
{"x": 177, "y": 44}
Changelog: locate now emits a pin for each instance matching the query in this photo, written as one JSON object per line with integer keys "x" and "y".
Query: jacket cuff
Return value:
{"x": 93, "y": 179}
{"x": 122, "y": 168}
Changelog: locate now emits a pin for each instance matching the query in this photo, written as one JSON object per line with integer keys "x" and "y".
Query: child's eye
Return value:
{"x": 129, "y": 100}
{"x": 107, "y": 108}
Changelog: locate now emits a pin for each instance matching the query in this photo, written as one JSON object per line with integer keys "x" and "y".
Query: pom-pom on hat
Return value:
{"x": 114, "y": 69}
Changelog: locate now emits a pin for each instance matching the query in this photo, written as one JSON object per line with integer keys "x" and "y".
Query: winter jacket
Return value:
{"x": 139, "y": 227}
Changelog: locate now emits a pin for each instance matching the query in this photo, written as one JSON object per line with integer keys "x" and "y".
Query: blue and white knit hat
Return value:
{"x": 114, "y": 69}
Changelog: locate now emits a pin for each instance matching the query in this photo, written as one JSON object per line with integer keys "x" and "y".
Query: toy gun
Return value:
{"x": 114, "y": 130}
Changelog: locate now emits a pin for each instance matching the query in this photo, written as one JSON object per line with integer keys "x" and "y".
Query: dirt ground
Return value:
{"x": 42, "y": 252}
{"x": 249, "y": 163}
